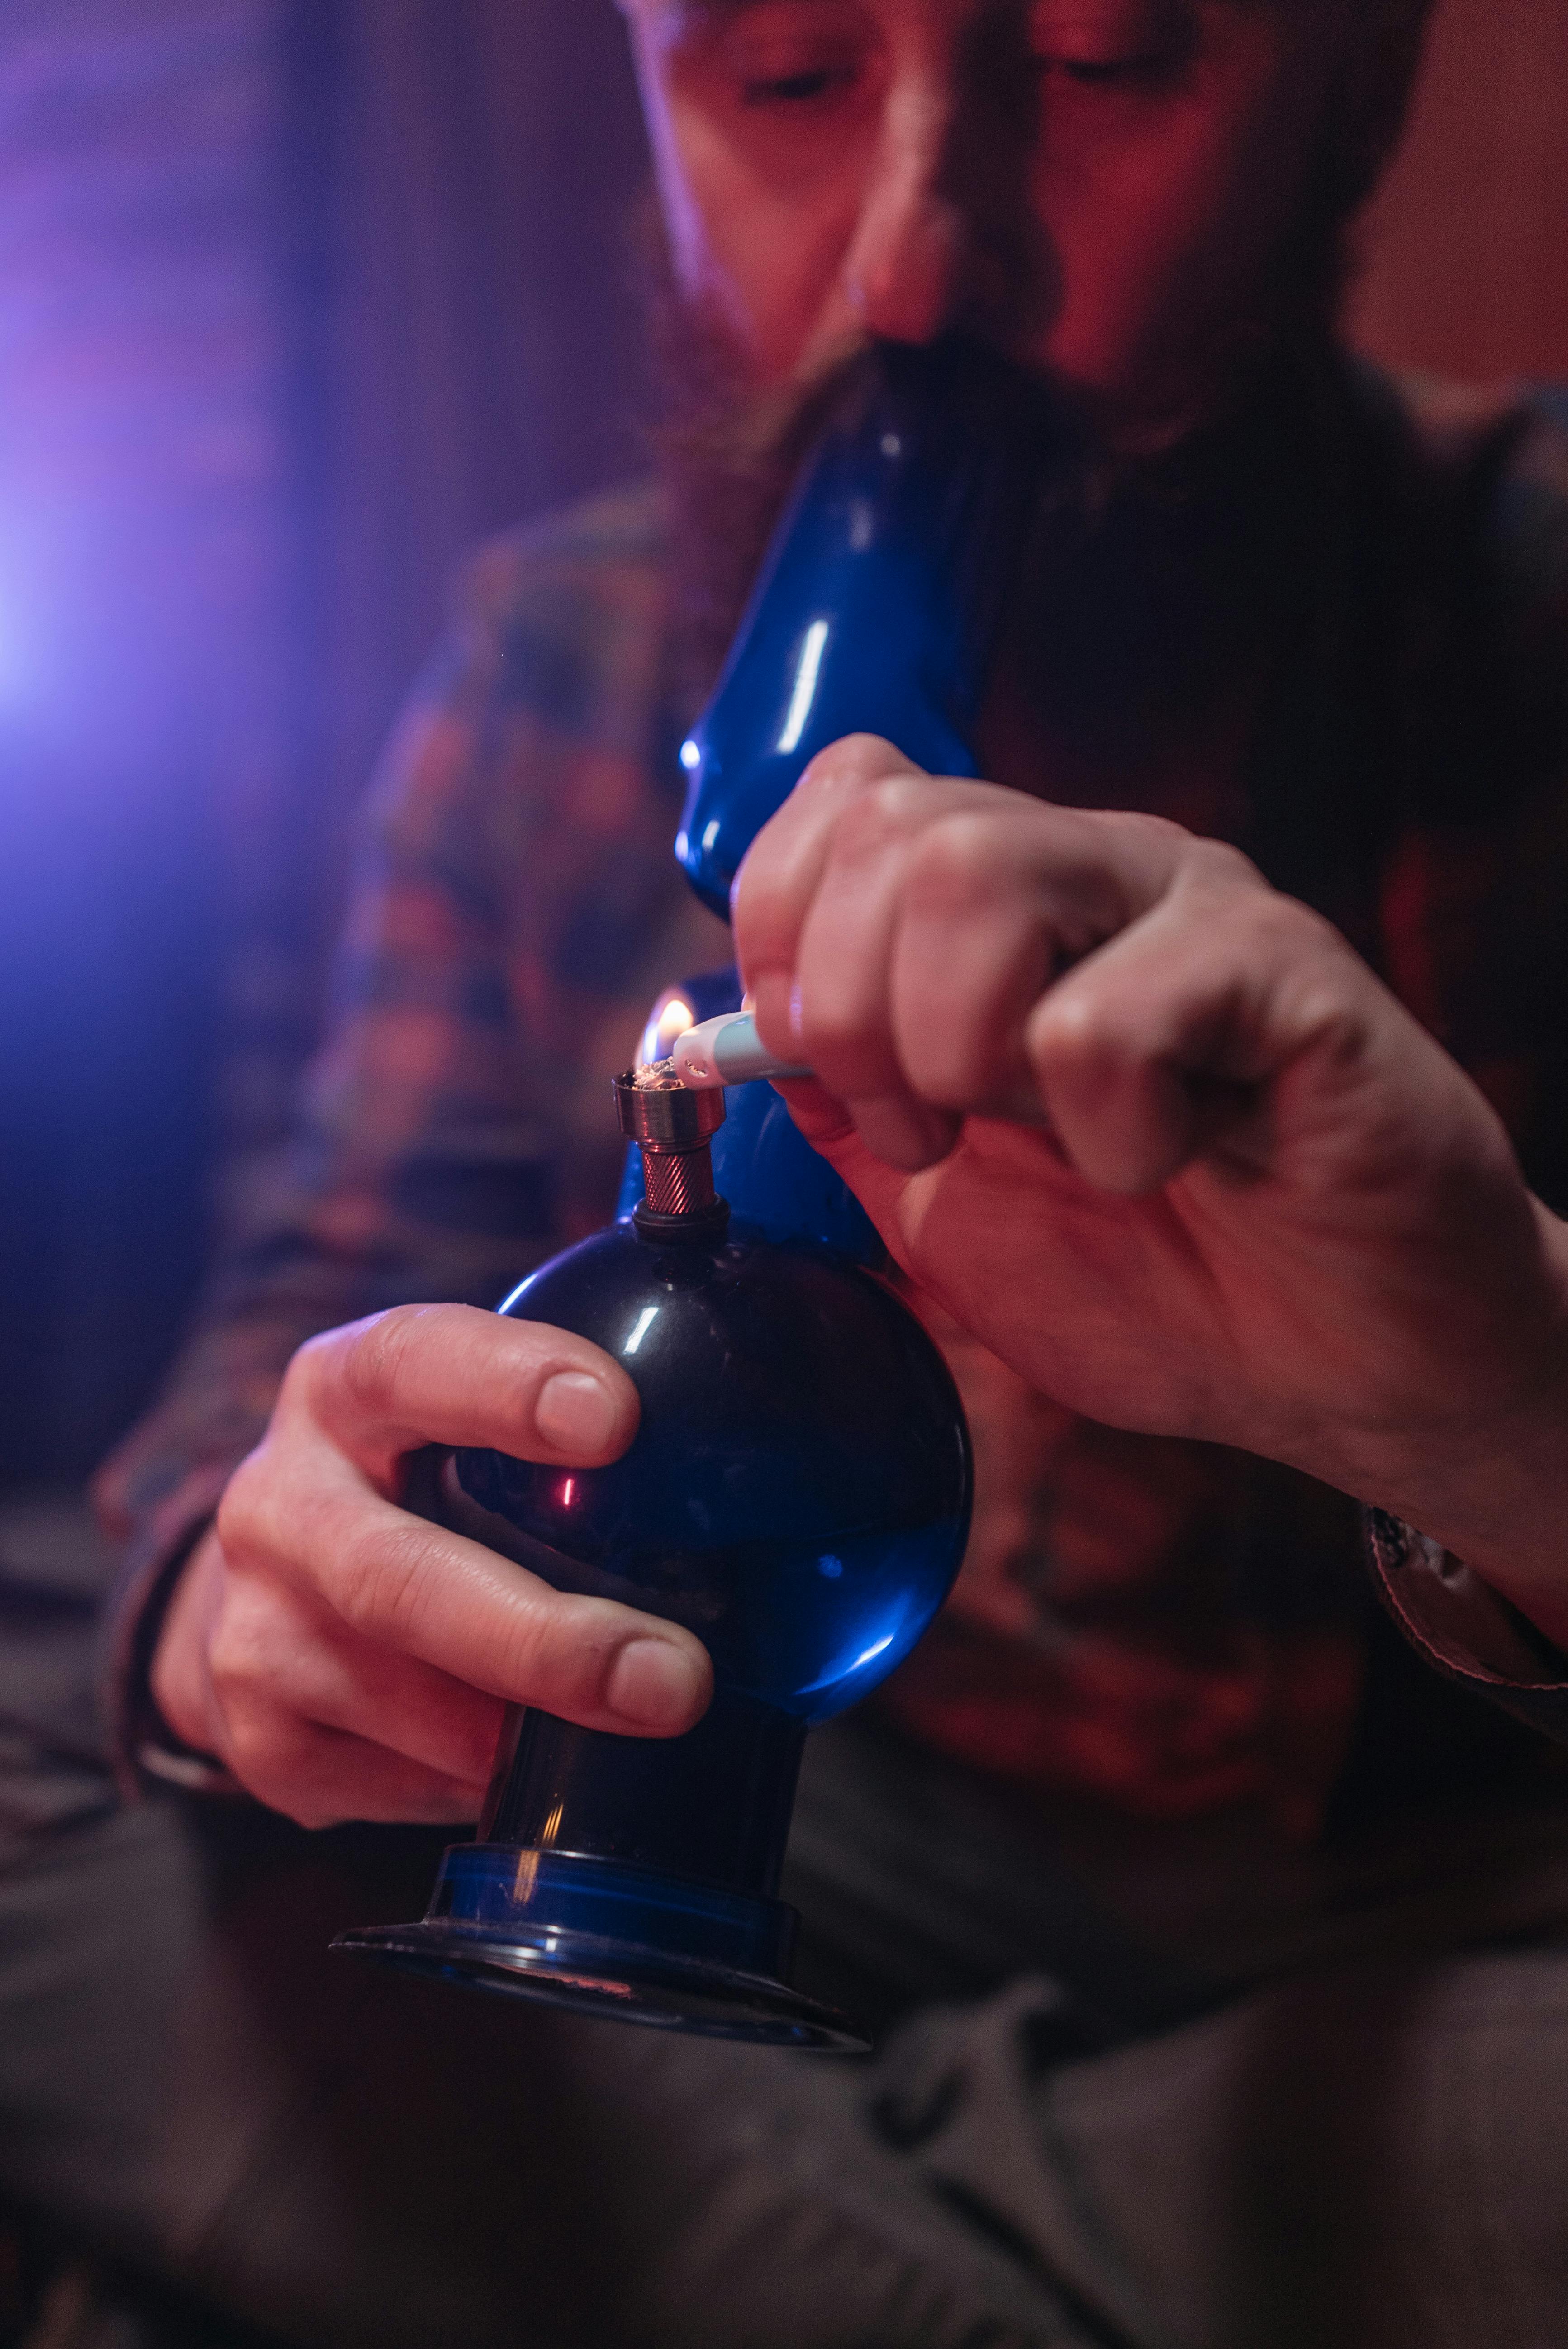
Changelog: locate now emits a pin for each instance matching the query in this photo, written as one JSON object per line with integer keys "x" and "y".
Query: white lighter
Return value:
{"x": 726, "y": 1051}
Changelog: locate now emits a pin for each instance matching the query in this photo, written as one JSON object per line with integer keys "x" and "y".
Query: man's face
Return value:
{"x": 1100, "y": 188}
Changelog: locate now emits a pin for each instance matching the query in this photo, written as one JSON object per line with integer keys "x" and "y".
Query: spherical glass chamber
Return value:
{"x": 797, "y": 1493}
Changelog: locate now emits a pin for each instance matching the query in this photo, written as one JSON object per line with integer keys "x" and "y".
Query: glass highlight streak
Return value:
{"x": 800, "y": 700}
{"x": 644, "y": 1322}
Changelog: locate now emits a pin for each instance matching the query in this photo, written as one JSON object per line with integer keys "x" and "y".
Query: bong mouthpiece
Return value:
{"x": 672, "y": 1125}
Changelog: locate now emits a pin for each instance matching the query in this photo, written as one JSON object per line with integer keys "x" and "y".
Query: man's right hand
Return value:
{"x": 348, "y": 1660}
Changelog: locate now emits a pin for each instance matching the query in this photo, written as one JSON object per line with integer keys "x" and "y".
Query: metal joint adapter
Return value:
{"x": 673, "y": 1125}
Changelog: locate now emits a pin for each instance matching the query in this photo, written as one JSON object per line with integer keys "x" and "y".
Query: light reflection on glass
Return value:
{"x": 844, "y": 1669}
{"x": 812, "y": 650}
{"x": 644, "y": 1322}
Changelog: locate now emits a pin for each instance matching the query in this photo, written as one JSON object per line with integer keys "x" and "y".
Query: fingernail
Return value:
{"x": 656, "y": 1685}
{"x": 575, "y": 1413}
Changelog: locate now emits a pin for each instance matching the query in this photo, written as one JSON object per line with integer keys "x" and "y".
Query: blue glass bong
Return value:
{"x": 797, "y": 1493}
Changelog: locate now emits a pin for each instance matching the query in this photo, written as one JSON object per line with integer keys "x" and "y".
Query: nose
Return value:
{"x": 946, "y": 234}
{"x": 906, "y": 268}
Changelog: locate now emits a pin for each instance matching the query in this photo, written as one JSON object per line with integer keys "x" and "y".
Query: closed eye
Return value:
{"x": 797, "y": 88}
{"x": 1097, "y": 43}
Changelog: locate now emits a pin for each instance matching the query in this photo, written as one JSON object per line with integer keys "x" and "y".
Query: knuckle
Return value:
{"x": 1216, "y": 863}
{"x": 959, "y": 864}
{"x": 1158, "y": 831}
{"x": 756, "y": 886}
{"x": 368, "y": 1367}
{"x": 267, "y": 1510}
{"x": 535, "y": 1655}
{"x": 358, "y": 1365}
{"x": 1061, "y": 865}
{"x": 853, "y": 759}
{"x": 1075, "y": 1030}
{"x": 381, "y": 1583}
{"x": 556, "y": 1648}
{"x": 307, "y": 1369}
{"x": 239, "y": 1649}
{"x": 244, "y": 1521}
{"x": 881, "y": 816}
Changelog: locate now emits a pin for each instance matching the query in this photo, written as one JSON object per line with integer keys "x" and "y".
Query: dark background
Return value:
{"x": 297, "y": 299}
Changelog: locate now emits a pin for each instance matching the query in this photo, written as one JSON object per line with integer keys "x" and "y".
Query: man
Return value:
{"x": 1270, "y": 2053}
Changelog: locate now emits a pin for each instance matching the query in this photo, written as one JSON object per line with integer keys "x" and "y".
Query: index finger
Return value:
{"x": 781, "y": 871}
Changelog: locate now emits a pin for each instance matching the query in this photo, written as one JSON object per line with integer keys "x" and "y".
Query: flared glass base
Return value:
{"x": 619, "y": 1941}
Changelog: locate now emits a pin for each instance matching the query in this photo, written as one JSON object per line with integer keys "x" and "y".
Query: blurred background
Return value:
{"x": 298, "y": 298}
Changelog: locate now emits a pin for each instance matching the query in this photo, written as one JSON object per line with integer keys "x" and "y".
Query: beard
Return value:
{"x": 729, "y": 457}
{"x": 1144, "y": 580}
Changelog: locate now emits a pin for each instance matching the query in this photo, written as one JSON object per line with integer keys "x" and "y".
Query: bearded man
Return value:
{"x": 1221, "y": 1935}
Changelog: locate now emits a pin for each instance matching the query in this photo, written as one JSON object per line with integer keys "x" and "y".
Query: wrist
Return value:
{"x": 144, "y": 1746}
{"x": 1495, "y": 1493}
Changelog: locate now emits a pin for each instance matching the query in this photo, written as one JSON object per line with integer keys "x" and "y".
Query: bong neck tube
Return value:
{"x": 878, "y": 605}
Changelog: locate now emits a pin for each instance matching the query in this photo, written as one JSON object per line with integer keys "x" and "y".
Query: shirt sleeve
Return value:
{"x": 415, "y": 1172}
{"x": 453, "y": 1130}
{"x": 1466, "y": 1629}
